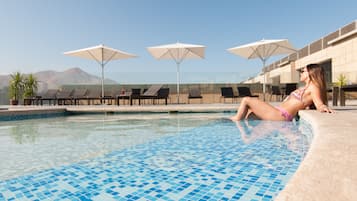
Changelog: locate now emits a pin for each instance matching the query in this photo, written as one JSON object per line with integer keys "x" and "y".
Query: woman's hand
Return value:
{"x": 325, "y": 108}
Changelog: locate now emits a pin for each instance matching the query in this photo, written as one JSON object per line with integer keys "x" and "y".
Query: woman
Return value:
{"x": 314, "y": 92}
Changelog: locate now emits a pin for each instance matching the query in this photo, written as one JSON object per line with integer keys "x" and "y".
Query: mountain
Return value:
{"x": 4, "y": 81}
{"x": 54, "y": 79}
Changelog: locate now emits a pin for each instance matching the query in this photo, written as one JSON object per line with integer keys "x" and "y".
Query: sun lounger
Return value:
{"x": 163, "y": 93}
{"x": 49, "y": 96}
{"x": 346, "y": 88}
{"x": 79, "y": 94}
{"x": 93, "y": 95}
{"x": 227, "y": 92}
{"x": 109, "y": 96}
{"x": 33, "y": 100}
{"x": 123, "y": 95}
{"x": 64, "y": 95}
{"x": 151, "y": 93}
{"x": 275, "y": 90}
{"x": 289, "y": 87}
{"x": 244, "y": 92}
{"x": 194, "y": 93}
{"x": 135, "y": 94}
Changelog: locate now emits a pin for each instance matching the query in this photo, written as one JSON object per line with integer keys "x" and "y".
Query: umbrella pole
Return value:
{"x": 102, "y": 80}
{"x": 178, "y": 82}
{"x": 264, "y": 79}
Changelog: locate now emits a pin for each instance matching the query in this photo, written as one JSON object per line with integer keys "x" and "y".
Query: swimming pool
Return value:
{"x": 148, "y": 157}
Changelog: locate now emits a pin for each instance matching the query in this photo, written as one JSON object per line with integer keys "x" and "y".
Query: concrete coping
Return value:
{"x": 329, "y": 170}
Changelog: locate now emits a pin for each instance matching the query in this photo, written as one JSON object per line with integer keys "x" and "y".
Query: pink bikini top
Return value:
{"x": 298, "y": 94}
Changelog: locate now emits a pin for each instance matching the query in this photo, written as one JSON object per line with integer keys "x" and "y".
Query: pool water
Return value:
{"x": 150, "y": 157}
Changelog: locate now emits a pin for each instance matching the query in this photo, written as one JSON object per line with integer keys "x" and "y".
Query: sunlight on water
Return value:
{"x": 37, "y": 144}
{"x": 150, "y": 156}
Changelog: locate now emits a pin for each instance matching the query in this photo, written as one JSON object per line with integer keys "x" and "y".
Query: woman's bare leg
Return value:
{"x": 251, "y": 115}
{"x": 241, "y": 111}
{"x": 260, "y": 108}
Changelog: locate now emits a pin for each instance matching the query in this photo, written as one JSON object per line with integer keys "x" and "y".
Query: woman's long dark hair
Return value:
{"x": 317, "y": 76}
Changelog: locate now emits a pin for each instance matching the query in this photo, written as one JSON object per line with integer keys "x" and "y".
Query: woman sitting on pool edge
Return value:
{"x": 314, "y": 92}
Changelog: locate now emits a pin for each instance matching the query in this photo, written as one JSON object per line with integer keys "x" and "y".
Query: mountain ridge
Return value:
{"x": 50, "y": 79}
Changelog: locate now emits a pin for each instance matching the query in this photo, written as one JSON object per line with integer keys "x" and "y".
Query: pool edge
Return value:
{"x": 328, "y": 170}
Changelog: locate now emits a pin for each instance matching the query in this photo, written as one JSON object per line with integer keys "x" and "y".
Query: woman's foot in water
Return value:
{"x": 234, "y": 118}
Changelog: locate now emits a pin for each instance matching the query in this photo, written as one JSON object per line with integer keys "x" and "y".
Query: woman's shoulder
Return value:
{"x": 313, "y": 88}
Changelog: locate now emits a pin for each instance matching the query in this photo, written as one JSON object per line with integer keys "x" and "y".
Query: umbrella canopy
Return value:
{"x": 177, "y": 52}
{"x": 102, "y": 54}
{"x": 263, "y": 50}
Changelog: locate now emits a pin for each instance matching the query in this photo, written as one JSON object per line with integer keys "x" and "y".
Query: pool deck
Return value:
{"x": 328, "y": 172}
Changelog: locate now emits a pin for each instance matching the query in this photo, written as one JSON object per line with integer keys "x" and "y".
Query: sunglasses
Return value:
{"x": 302, "y": 70}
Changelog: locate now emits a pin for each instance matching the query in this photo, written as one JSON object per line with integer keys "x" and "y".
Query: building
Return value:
{"x": 336, "y": 52}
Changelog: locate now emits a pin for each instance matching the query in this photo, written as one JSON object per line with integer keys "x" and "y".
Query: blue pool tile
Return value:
{"x": 207, "y": 163}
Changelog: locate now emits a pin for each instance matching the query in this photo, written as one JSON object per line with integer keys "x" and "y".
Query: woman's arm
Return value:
{"x": 316, "y": 98}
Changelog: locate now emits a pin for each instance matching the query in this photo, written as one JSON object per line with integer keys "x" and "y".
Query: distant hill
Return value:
{"x": 54, "y": 79}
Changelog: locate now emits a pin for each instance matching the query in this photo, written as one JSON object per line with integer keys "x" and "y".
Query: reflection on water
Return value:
{"x": 24, "y": 133}
{"x": 32, "y": 145}
{"x": 294, "y": 134}
{"x": 247, "y": 160}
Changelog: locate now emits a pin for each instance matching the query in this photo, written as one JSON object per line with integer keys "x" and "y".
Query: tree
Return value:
{"x": 16, "y": 87}
{"x": 341, "y": 80}
{"x": 30, "y": 86}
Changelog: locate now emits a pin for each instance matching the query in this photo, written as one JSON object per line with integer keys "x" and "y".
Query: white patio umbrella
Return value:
{"x": 263, "y": 50}
{"x": 178, "y": 52}
{"x": 102, "y": 54}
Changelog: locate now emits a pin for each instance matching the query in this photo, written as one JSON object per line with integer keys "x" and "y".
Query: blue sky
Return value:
{"x": 34, "y": 34}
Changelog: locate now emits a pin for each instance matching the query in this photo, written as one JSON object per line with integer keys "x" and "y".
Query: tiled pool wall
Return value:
{"x": 9, "y": 115}
{"x": 13, "y": 115}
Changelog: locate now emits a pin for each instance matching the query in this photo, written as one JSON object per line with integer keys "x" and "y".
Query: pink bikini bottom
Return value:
{"x": 285, "y": 114}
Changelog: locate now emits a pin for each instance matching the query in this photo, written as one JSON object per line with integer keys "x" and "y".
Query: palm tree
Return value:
{"x": 30, "y": 86}
{"x": 16, "y": 87}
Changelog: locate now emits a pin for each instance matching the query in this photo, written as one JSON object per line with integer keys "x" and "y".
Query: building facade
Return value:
{"x": 336, "y": 52}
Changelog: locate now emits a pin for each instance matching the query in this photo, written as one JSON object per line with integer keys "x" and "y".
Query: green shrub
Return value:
{"x": 16, "y": 86}
{"x": 30, "y": 86}
{"x": 341, "y": 80}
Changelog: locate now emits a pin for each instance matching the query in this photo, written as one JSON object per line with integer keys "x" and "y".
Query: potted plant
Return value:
{"x": 30, "y": 88}
{"x": 336, "y": 90}
{"x": 15, "y": 88}
{"x": 341, "y": 80}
